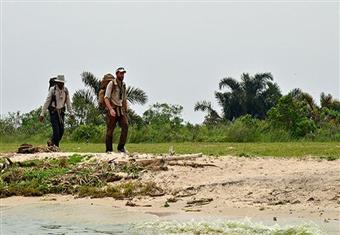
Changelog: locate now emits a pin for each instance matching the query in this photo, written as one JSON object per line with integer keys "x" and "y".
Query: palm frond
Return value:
{"x": 202, "y": 106}
{"x": 91, "y": 82}
{"x": 326, "y": 100}
{"x": 136, "y": 95}
{"x": 230, "y": 82}
{"x": 83, "y": 97}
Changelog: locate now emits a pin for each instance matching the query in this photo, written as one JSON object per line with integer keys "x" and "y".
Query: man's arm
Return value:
{"x": 47, "y": 102}
{"x": 107, "y": 97}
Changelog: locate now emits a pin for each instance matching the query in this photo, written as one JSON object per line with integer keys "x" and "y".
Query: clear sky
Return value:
{"x": 176, "y": 52}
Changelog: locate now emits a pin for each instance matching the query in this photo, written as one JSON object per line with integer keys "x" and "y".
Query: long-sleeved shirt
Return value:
{"x": 116, "y": 93}
{"x": 60, "y": 95}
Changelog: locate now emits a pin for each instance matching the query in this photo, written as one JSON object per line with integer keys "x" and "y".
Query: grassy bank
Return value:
{"x": 286, "y": 149}
{"x": 76, "y": 175}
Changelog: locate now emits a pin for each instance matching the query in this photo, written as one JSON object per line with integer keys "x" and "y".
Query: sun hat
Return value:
{"x": 60, "y": 78}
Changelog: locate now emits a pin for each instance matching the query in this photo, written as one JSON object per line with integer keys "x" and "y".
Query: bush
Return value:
{"x": 88, "y": 133}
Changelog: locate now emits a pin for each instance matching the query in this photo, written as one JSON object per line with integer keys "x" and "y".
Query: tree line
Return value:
{"x": 251, "y": 109}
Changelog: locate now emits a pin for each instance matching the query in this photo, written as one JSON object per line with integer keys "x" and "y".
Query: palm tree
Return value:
{"x": 253, "y": 95}
{"x": 212, "y": 115}
{"x": 305, "y": 98}
{"x": 327, "y": 101}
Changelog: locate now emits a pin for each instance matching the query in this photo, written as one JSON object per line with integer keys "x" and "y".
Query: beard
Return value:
{"x": 60, "y": 85}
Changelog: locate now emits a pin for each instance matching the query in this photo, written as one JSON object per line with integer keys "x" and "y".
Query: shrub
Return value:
{"x": 88, "y": 133}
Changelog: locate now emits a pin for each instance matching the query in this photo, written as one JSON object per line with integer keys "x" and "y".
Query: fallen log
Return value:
{"x": 158, "y": 163}
{"x": 199, "y": 202}
{"x": 132, "y": 204}
{"x": 183, "y": 157}
{"x": 191, "y": 164}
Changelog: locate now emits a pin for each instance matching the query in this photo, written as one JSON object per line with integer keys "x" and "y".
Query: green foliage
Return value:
{"x": 160, "y": 114}
{"x": 244, "y": 118}
{"x": 16, "y": 126}
{"x": 254, "y": 95}
{"x": 86, "y": 111}
{"x": 88, "y": 133}
{"x": 291, "y": 114}
{"x": 67, "y": 175}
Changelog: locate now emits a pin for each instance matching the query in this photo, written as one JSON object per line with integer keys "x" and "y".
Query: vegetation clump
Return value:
{"x": 73, "y": 175}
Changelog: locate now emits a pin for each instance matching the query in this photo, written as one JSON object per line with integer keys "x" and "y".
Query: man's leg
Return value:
{"x": 55, "y": 127}
{"x": 110, "y": 126}
{"x": 124, "y": 124}
{"x": 61, "y": 125}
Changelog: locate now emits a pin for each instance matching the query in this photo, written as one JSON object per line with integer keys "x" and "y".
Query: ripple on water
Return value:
{"x": 228, "y": 227}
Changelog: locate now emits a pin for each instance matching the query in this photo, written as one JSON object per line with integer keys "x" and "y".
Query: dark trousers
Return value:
{"x": 57, "y": 121}
{"x": 111, "y": 123}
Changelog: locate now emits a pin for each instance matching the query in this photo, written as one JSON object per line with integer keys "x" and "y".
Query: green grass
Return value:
{"x": 284, "y": 149}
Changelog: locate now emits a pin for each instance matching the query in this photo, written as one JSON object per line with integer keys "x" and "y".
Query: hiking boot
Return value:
{"x": 122, "y": 150}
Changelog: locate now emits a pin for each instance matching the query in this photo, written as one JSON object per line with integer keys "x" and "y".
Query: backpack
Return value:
{"x": 52, "y": 82}
{"x": 103, "y": 84}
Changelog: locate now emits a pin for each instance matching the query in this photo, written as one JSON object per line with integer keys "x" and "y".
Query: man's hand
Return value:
{"x": 41, "y": 119}
{"x": 112, "y": 113}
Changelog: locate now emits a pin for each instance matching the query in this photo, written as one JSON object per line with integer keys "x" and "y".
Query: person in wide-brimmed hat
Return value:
{"x": 57, "y": 100}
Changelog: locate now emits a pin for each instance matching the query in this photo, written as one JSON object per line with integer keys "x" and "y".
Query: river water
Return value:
{"x": 58, "y": 218}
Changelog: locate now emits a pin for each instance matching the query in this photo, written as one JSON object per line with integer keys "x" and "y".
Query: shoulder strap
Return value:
{"x": 114, "y": 81}
{"x": 66, "y": 94}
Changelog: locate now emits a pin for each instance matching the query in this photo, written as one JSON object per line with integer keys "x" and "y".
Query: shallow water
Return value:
{"x": 56, "y": 218}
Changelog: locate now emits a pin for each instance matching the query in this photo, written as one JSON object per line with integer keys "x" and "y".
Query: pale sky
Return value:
{"x": 176, "y": 52}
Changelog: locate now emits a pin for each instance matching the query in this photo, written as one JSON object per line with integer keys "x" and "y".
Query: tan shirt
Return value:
{"x": 61, "y": 99}
{"x": 116, "y": 93}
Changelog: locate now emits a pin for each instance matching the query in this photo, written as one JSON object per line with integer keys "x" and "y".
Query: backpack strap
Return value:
{"x": 54, "y": 96}
{"x": 66, "y": 94}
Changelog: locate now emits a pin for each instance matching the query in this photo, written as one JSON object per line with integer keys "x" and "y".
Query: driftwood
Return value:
{"x": 199, "y": 202}
{"x": 191, "y": 210}
{"x": 191, "y": 164}
{"x": 172, "y": 200}
{"x": 188, "y": 192}
{"x": 183, "y": 157}
{"x": 158, "y": 163}
{"x": 132, "y": 204}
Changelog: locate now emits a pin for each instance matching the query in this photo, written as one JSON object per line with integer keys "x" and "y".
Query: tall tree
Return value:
{"x": 253, "y": 95}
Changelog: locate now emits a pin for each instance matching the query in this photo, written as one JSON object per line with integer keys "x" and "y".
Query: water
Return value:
{"x": 82, "y": 218}
{"x": 246, "y": 227}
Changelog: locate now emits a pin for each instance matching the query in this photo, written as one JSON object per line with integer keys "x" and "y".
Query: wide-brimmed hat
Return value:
{"x": 60, "y": 78}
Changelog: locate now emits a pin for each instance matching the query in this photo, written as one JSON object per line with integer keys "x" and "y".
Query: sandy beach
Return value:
{"x": 264, "y": 189}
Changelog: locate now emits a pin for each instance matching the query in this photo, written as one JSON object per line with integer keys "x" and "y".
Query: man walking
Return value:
{"x": 58, "y": 97}
{"x": 116, "y": 107}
